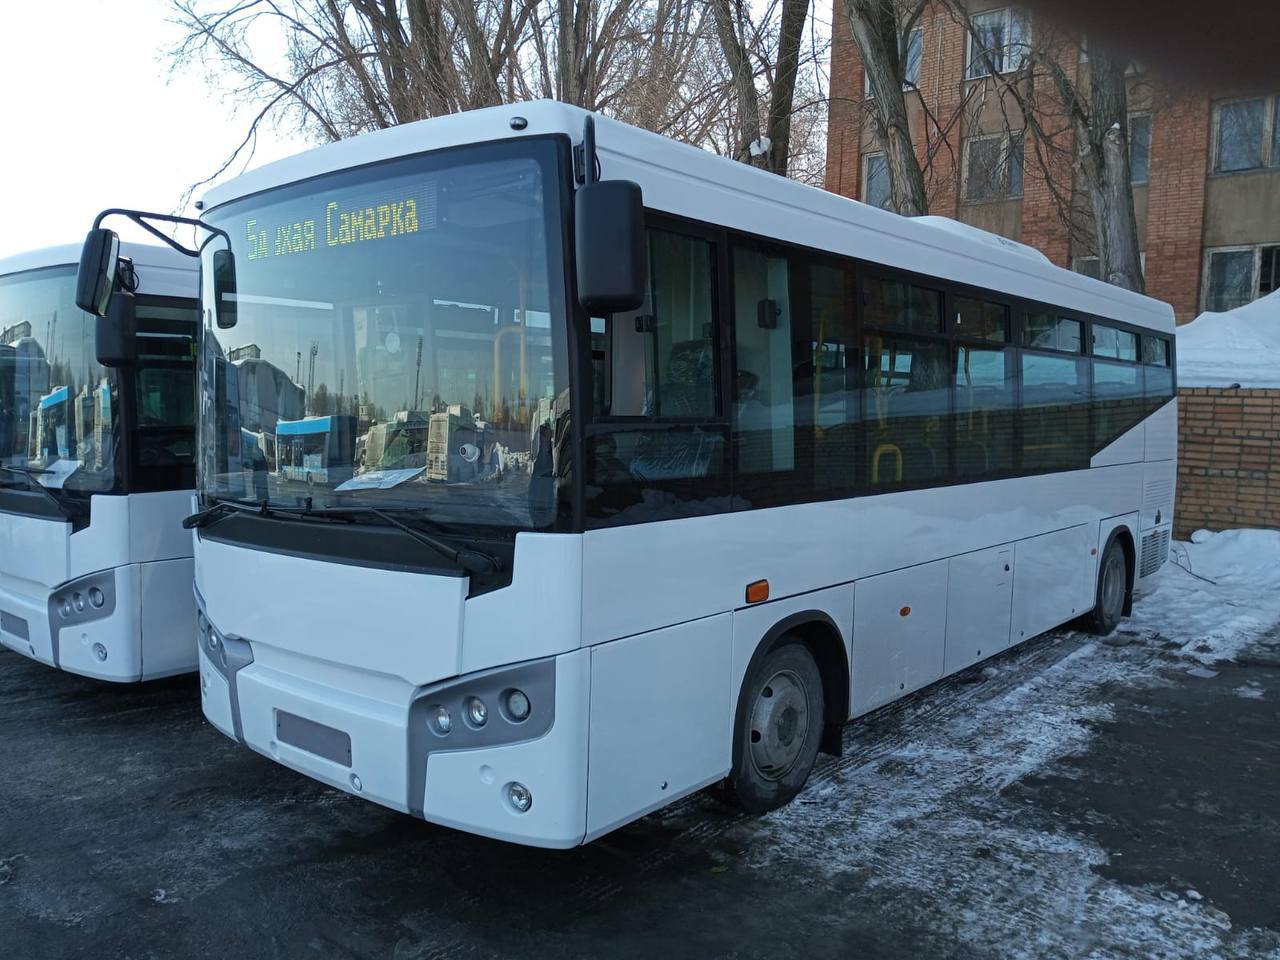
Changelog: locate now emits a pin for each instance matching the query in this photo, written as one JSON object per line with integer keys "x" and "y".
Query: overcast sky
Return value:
{"x": 90, "y": 117}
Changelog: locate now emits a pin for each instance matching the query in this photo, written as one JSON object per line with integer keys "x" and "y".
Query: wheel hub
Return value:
{"x": 779, "y": 725}
{"x": 1113, "y": 586}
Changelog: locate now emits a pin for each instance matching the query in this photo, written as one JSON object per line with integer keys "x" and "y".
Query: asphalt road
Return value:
{"x": 1073, "y": 799}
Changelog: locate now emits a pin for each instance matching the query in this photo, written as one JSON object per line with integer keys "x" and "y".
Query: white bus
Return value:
{"x": 97, "y": 466}
{"x": 756, "y": 460}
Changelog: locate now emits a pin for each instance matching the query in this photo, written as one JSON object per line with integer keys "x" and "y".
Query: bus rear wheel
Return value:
{"x": 1113, "y": 585}
{"x": 778, "y": 730}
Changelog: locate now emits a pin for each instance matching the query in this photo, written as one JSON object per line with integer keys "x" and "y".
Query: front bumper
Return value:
{"x": 374, "y": 738}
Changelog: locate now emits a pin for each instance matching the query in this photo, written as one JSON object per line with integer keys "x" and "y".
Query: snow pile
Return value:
{"x": 1241, "y": 346}
{"x": 1238, "y": 599}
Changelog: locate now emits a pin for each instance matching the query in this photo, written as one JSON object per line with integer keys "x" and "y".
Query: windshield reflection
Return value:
{"x": 399, "y": 341}
{"x": 56, "y": 402}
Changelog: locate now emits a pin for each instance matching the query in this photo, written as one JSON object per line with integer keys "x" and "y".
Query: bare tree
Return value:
{"x": 762, "y": 51}
{"x": 1078, "y": 128}
{"x": 881, "y": 29}
{"x": 347, "y": 66}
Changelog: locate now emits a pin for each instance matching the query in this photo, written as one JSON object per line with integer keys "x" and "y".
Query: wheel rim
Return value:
{"x": 1113, "y": 585}
{"x": 779, "y": 725}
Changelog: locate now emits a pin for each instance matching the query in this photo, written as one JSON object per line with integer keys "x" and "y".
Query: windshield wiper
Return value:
{"x": 222, "y": 506}
{"x": 473, "y": 561}
{"x": 29, "y": 474}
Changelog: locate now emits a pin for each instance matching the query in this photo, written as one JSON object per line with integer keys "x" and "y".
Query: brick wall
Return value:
{"x": 1175, "y": 202}
{"x": 1228, "y": 459}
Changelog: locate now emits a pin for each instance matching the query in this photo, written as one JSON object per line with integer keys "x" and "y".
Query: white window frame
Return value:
{"x": 970, "y": 64}
{"x": 1255, "y": 275}
{"x": 1269, "y": 161}
{"x": 1004, "y": 162}
{"x": 907, "y": 83}
{"x": 866, "y": 178}
{"x": 1150, "y": 130}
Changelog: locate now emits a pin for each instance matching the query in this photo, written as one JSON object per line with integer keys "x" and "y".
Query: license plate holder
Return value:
{"x": 327, "y": 742}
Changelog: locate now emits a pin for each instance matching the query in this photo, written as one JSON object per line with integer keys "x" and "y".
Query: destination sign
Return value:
{"x": 337, "y": 224}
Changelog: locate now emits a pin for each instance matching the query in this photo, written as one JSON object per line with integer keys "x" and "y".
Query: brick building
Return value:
{"x": 1206, "y": 164}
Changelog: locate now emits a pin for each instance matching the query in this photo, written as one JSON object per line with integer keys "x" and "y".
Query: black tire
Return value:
{"x": 1112, "y": 591}
{"x": 778, "y": 729}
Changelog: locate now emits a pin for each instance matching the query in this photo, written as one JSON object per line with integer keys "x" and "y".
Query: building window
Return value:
{"x": 910, "y": 59}
{"x": 997, "y": 38}
{"x": 1091, "y": 266}
{"x": 1139, "y": 147}
{"x": 993, "y": 167}
{"x": 875, "y": 181}
{"x": 1235, "y": 276}
{"x": 1246, "y": 134}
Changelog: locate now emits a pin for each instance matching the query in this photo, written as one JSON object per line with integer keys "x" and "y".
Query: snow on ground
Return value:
{"x": 1240, "y": 346}
{"x": 917, "y": 806}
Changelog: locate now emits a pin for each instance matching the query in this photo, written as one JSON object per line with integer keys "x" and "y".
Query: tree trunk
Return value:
{"x": 874, "y": 26}
{"x": 743, "y": 75}
{"x": 1110, "y": 191}
{"x": 782, "y": 98}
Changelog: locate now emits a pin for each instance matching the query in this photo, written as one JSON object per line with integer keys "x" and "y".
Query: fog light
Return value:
{"x": 517, "y": 705}
{"x": 519, "y": 797}
{"x": 96, "y": 597}
{"x": 100, "y": 652}
{"x": 78, "y": 600}
{"x": 477, "y": 712}
{"x": 441, "y": 722}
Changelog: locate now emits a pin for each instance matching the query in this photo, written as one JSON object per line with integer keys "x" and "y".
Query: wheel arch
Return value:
{"x": 818, "y": 632}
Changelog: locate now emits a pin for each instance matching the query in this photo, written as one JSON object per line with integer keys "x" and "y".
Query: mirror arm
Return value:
{"x": 141, "y": 218}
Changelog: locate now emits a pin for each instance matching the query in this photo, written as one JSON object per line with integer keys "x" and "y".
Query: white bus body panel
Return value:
{"x": 979, "y": 601}
{"x": 150, "y": 631}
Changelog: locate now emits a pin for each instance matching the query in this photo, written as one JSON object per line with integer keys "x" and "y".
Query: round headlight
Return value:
{"x": 477, "y": 712}
{"x": 78, "y": 600}
{"x": 64, "y": 609}
{"x": 96, "y": 597}
{"x": 440, "y": 721}
{"x": 519, "y": 797}
{"x": 517, "y": 705}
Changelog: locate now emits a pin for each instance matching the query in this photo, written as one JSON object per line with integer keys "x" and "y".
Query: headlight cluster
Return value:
{"x": 514, "y": 706}
{"x": 89, "y": 598}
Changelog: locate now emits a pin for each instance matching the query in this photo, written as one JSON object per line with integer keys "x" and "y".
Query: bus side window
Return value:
{"x": 764, "y": 413}
{"x": 656, "y": 393}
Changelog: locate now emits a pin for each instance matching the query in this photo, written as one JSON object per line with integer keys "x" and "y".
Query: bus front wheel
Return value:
{"x": 778, "y": 729}
{"x": 1113, "y": 586}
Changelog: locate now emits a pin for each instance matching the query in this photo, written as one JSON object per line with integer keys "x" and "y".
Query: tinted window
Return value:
{"x": 981, "y": 320}
{"x": 1114, "y": 344}
{"x": 906, "y": 403}
{"x": 1044, "y": 331}
{"x": 893, "y": 303}
{"x": 1117, "y": 400}
{"x": 660, "y": 359}
{"x": 985, "y": 399}
{"x": 658, "y": 366}
{"x": 764, "y": 408}
{"x": 1055, "y": 414}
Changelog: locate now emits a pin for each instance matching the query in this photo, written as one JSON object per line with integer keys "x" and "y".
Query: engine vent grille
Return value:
{"x": 1155, "y": 550}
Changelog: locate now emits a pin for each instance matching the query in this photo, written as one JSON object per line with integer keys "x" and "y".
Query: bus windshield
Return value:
{"x": 57, "y": 405}
{"x": 399, "y": 340}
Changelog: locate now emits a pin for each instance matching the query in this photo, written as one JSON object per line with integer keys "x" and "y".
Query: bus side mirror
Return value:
{"x": 608, "y": 220}
{"x": 97, "y": 275}
{"x": 224, "y": 289}
{"x": 116, "y": 337}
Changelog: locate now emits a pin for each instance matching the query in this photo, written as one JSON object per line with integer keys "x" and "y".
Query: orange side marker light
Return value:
{"x": 758, "y": 591}
{"x": 904, "y": 612}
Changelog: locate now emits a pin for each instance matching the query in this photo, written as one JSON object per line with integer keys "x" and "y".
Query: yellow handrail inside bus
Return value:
{"x": 881, "y": 450}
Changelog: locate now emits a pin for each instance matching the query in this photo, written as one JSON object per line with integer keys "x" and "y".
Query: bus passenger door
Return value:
{"x": 979, "y": 595}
